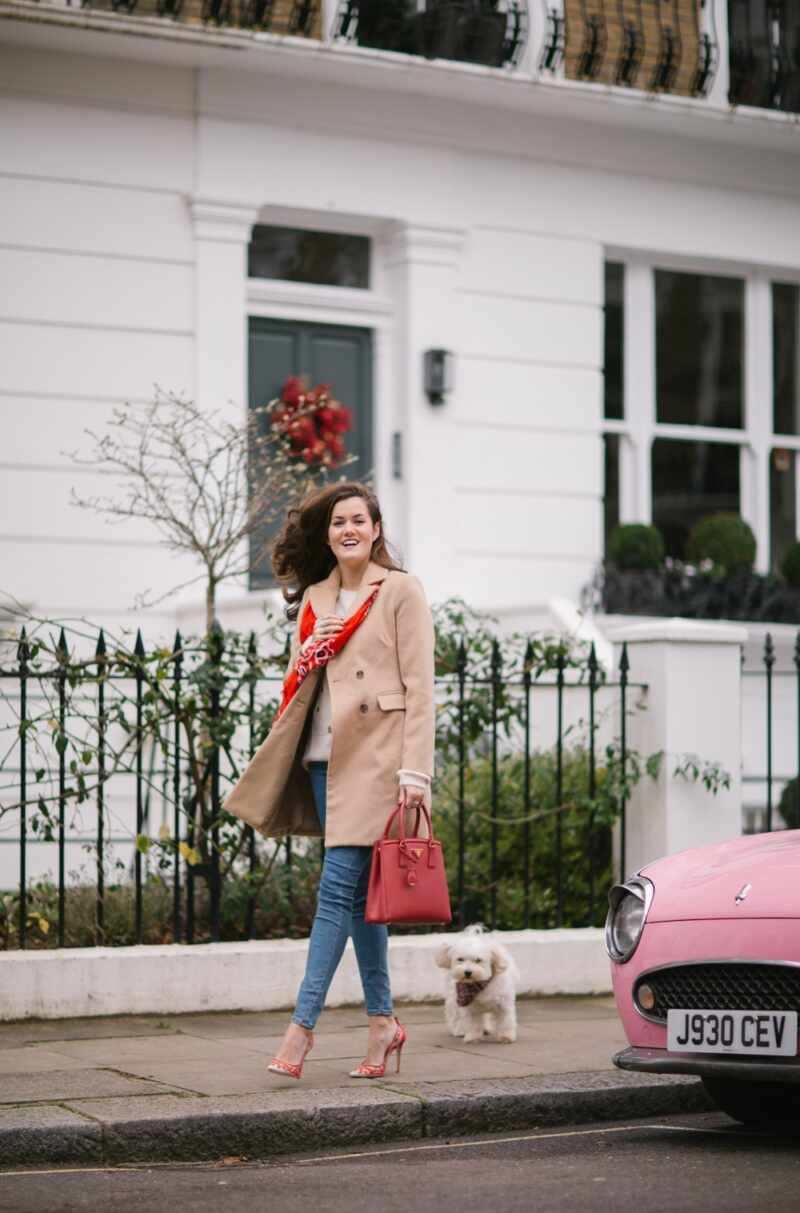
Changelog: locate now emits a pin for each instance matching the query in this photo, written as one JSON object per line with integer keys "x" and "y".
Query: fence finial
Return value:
{"x": 769, "y": 651}
{"x": 177, "y": 644}
{"x": 252, "y": 652}
{"x": 527, "y": 660}
{"x": 624, "y": 663}
{"x": 461, "y": 658}
{"x": 23, "y": 648}
{"x": 100, "y": 651}
{"x": 62, "y": 649}
{"x": 497, "y": 660}
{"x": 138, "y": 648}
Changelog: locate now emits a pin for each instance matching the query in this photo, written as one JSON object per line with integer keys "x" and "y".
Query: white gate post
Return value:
{"x": 692, "y": 708}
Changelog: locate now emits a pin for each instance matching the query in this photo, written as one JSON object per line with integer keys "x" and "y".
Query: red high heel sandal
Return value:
{"x": 395, "y": 1046}
{"x": 290, "y": 1069}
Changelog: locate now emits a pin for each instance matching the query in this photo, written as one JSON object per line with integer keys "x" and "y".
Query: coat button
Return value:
{"x": 359, "y": 673}
{"x": 364, "y": 708}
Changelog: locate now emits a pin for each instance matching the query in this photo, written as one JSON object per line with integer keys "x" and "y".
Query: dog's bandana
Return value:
{"x": 468, "y": 991}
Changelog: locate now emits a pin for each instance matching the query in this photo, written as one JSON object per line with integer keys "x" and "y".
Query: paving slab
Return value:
{"x": 196, "y": 1086}
{"x": 167, "y": 1128}
{"x": 48, "y": 1135}
{"x": 475, "y": 1106}
{"x": 54, "y": 1086}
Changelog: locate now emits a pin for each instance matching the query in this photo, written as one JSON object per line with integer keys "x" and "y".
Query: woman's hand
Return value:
{"x": 326, "y": 627}
{"x": 410, "y": 797}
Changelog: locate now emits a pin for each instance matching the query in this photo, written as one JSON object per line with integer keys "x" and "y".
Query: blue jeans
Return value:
{"x": 340, "y": 912}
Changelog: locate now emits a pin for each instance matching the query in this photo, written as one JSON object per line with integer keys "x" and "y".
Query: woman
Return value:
{"x": 354, "y": 736}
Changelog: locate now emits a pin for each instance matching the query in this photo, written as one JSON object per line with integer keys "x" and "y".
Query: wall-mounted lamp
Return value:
{"x": 438, "y": 375}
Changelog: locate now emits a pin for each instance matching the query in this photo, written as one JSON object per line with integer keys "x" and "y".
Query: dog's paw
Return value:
{"x": 472, "y": 1038}
{"x": 506, "y": 1039}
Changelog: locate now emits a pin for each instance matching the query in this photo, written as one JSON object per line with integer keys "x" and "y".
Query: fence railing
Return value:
{"x": 771, "y": 725}
{"x": 122, "y": 760}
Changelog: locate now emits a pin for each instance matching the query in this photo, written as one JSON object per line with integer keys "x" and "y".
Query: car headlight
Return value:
{"x": 627, "y": 912}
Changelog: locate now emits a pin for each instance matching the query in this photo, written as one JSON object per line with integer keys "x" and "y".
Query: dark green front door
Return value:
{"x": 321, "y": 353}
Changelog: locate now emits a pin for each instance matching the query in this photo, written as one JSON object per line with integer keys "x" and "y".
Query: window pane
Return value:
{"x": 614, "y": 336}
{"x": 296, "y": 255}
{"x": 611, "y": 492}
{"x": 699, "y": 355}
{"x": 691, "y": 479}
{"x": 782, "y": 504}
{"x": 785, "y": 357}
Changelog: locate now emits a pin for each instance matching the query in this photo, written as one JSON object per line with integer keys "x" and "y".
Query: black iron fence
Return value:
{"x": 771, "y": 727}
{"x": 124, "y": 757}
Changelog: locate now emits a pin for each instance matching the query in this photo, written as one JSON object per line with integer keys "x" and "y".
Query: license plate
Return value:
{"x": 769, "y": 1033}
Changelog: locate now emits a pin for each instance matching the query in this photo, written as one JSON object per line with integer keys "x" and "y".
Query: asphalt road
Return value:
{"x": 691, "y": 1163}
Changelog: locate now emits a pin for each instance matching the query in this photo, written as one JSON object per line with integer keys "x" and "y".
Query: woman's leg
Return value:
{"x": 371, "y": 944}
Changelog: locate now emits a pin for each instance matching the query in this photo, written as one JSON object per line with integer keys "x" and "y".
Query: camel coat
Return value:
{"x": 382, "y": 700}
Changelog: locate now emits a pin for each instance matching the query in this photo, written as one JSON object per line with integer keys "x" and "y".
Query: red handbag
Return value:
{"x": 407, "y": 879}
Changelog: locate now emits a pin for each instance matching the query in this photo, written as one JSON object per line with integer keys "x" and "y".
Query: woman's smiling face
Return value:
{"x": 351, "y": 531}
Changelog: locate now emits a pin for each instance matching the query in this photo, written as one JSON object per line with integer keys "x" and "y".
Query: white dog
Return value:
{"x": 480, "y": 1001}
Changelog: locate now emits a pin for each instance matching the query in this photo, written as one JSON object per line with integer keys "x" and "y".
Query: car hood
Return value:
{"x": 704, "y": 882}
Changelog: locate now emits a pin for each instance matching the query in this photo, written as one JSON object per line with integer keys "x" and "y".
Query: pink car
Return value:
{"x": 705, "y": 950}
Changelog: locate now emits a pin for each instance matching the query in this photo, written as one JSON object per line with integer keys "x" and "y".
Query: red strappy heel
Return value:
{"x": 290, "y": 1069}
{"x": 395, "y": 1046}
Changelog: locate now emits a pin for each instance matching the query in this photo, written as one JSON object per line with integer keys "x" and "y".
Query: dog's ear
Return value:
{"x": 499, "y": 959}
{"x": 442, "y": 956}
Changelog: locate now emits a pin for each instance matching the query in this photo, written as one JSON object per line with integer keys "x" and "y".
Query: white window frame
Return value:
{"x": 639, "y": 428}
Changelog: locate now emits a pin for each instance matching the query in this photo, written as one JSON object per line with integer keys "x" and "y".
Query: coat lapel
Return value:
{"x": 323, "y": 595}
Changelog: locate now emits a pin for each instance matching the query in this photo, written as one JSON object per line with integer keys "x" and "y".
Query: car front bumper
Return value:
{"x": 752, "y": 1069}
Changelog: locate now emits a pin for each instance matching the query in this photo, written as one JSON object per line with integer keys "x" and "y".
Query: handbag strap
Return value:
{"x": 422, "y": 811}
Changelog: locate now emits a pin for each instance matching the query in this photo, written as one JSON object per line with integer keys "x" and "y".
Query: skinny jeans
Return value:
{"x": 340, "y": 912}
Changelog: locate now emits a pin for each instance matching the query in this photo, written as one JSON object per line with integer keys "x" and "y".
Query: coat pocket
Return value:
{"x": 392, "y": 701}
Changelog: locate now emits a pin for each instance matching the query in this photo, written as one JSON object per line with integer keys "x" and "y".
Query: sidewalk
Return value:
{"x": 145, "y": 1088}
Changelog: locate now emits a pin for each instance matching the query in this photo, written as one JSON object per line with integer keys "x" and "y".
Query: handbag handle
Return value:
{"x": 401, "y": 810}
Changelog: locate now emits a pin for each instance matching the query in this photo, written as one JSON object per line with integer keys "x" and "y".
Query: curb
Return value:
{"x": 161, "y": 1128}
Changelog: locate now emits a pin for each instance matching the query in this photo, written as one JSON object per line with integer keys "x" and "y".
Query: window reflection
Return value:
{"x": 782, "y": 504}
{"x": 699, "y": 342}
{"x": 299, "y": 255}
{"x": 691, "y": 479}
{"x": 786, "y": 357}
{"x": 613, "y": 341}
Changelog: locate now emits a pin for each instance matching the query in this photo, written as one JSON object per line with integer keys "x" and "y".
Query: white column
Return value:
{"x": 692, "y": 707}
{"x": 221, "y": 233}
{"x": 422, "y": 265}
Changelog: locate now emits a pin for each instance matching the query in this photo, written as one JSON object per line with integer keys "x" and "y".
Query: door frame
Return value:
{"x": 274, "y": 299}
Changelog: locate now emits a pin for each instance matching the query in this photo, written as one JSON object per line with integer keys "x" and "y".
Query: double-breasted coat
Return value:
{"x": 382, "y": 698}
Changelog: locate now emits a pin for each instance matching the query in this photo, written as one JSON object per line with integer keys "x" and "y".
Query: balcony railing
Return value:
{"x": 490, "y": 32}
{"x": 656, "y": 46}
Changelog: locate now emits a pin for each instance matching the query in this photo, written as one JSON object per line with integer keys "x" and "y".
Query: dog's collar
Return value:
{"x": 468, "y": 991}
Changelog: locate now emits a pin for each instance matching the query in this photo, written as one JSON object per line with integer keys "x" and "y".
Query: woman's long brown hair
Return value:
{"x": 301, "y": 555}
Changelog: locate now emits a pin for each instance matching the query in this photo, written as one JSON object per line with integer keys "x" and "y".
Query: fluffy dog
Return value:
{"x": 480, "y": 1002}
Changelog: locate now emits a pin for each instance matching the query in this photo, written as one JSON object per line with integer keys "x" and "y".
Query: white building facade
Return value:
{"x": 502, "y": 212}
{"x": 606, "y": 245}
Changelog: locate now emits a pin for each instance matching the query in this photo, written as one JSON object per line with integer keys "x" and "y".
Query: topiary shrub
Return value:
{"x": 636, "y": 546}
{"x": 724, "y": 539}
{"x": 789, "y": 805}
{"x": 790, "y": 565}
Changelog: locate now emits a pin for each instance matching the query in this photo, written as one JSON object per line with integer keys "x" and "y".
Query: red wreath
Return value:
{"x": 313, "y": 422}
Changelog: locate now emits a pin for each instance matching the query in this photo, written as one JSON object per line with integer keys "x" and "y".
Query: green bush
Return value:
{"x": 724, "y": 539}
{"x": 283, "y": 906}
{"x": 585, "y": 840}
{"x": 636, "y": 546}
{"x": 789, "y": 805}
{"x": 790, "y": 565}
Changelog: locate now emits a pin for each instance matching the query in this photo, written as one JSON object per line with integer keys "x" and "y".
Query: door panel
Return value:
{"x": 322, "y": 353}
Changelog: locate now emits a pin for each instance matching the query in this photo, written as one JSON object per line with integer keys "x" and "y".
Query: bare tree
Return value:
{"x": 207, "y": 485}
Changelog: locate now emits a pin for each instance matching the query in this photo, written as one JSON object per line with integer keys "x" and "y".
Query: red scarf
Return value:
{"x": 320, "y": 653}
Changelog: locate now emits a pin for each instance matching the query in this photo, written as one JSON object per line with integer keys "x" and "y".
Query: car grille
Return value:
{"x": 724, "y": 987}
